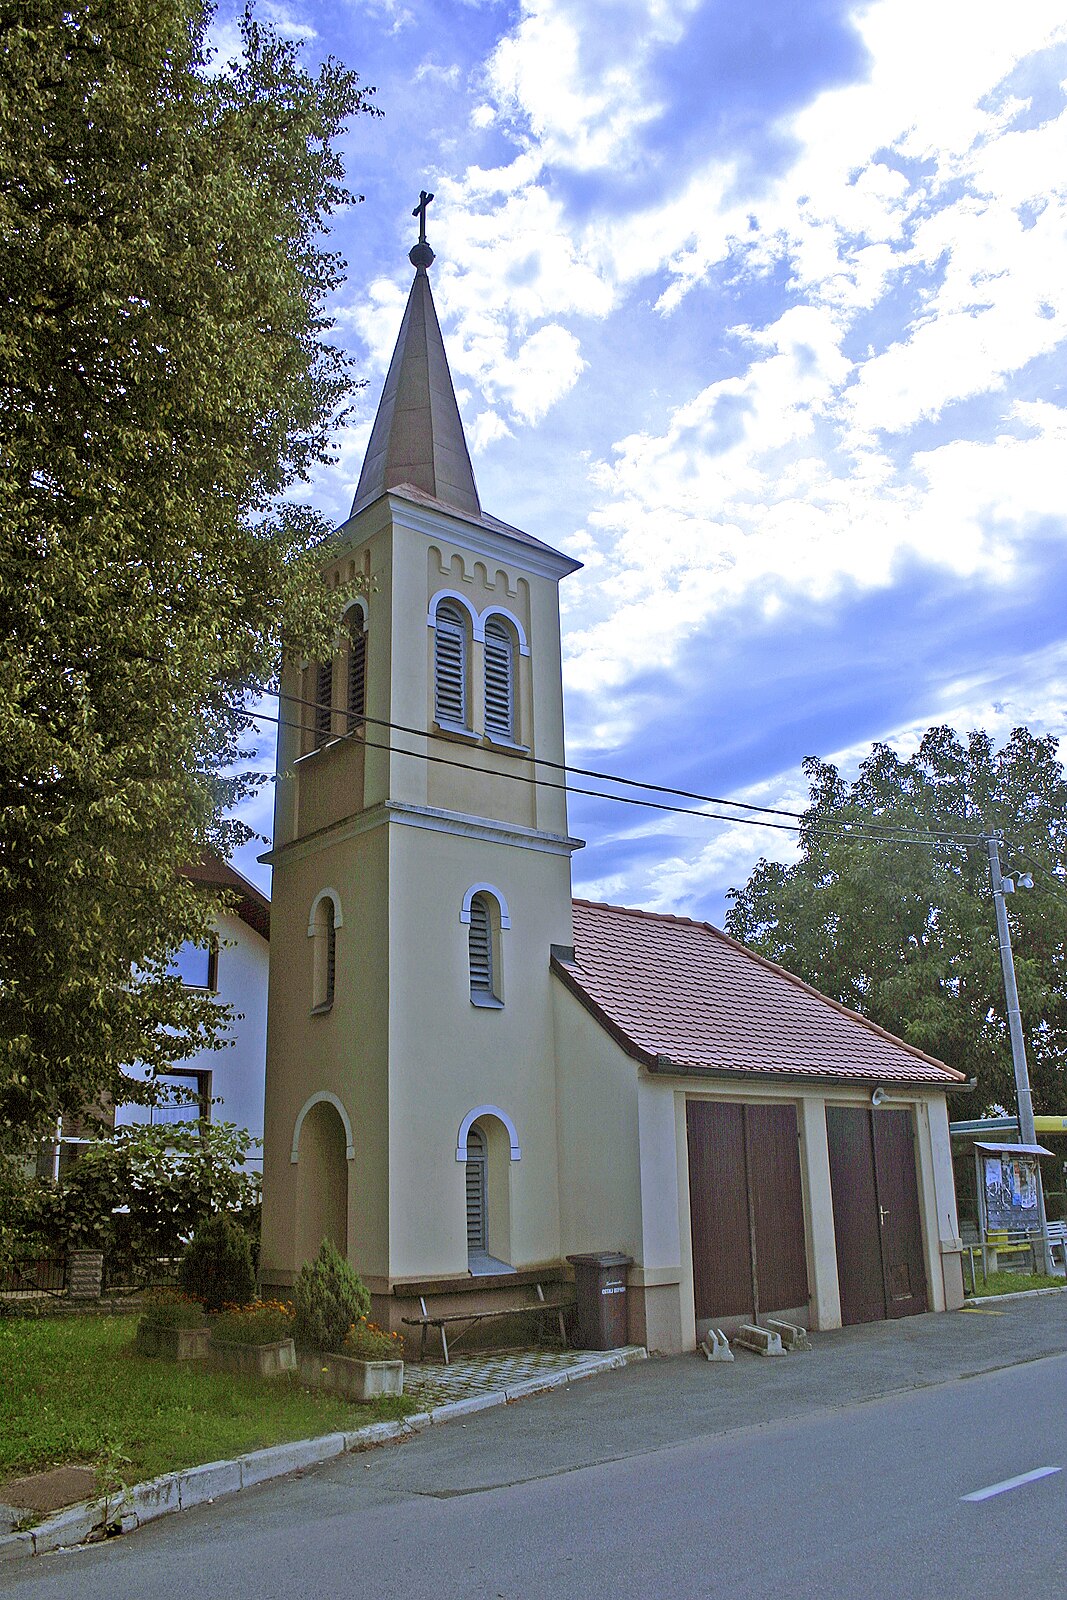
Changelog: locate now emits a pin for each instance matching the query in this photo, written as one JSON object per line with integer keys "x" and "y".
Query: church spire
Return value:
{"x": 417, "y": 438}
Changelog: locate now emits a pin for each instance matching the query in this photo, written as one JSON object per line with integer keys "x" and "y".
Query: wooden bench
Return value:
{"x": 444, "y": 1320}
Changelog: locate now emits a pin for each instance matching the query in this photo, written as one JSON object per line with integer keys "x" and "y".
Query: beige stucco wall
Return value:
{"x": 402, "y": 841}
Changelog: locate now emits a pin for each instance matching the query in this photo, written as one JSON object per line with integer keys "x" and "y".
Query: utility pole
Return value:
{"x": 1024, "y": 1100}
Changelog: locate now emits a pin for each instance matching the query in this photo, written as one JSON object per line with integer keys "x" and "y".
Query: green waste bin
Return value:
{"x": 600, "y": 1299}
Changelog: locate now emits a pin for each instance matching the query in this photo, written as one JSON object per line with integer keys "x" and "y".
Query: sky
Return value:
{"x": 759, "y": 310}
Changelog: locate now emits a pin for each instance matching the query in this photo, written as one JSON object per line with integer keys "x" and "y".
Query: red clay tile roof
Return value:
{"x": 667, "y": 987}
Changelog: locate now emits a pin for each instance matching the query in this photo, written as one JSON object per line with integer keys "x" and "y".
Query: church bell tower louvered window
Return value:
{"x": 450, "y": 667}
{"x": 357, "y": 670}
{"x": 323, "y": 712}
{"x": 499, "y": 680}
{"x": 483, "y": 990}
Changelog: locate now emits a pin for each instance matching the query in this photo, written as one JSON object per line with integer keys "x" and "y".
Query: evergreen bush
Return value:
{"x": 330, "y": 1297}
{"x": 216, "y": 1265}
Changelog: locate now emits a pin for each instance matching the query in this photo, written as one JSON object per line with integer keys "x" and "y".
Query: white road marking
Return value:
{"x": 1011, "y": 1483}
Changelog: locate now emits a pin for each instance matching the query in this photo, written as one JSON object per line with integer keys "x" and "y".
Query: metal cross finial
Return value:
{"x": 420, "y": 255}
{"x": 420, "y": 212}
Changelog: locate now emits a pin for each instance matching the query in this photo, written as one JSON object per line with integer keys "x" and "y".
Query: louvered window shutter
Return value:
{"x": 481, "y": 948}
{"x": 331, "y": 953}
{"x": 450, "y": 667}
{"x": 357, "y": 673}
{"x": 324, "y": 700}
{"x": 476, "y": 1218}
{"x": 499, "y": 680}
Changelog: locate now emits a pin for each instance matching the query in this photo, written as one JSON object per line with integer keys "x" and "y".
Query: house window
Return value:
{"x": 197, "y": 965}
{"x": 477, "y": 1217}
{"x": 499, "y": 680}
{"x": 484, "y": 969}
{"x": 323, "y": 930}
{"x": 450, "y": 666}
{"x": 357, "y": 669}
{"x": 323, "y": 710}
{"x": 182, "y": 1097}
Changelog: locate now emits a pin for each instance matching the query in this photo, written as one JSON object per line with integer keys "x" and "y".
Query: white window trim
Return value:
{"x": 360, "y": 605}
{"x": 325, "y": 894}
{"x": 314, "y": 1100}
{"x": 478, "y": 620}
{"x": 453, "y": 594}
{"x": 485, "y": 888}
{"x": 486, "y": 1111}
{"x": 509, "y": 616}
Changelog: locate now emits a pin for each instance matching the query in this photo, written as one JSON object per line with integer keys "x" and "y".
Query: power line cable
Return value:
{"x": 844, "y": 830}
{"x": 935, "y": 834}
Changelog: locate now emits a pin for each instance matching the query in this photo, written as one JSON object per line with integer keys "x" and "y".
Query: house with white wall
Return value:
{"x": 222, "y": 1085}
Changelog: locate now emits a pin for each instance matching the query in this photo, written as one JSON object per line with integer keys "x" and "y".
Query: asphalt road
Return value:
{"x": 838, "y": 1473}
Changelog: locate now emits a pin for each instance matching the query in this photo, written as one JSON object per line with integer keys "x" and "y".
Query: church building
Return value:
{"x": 470, "y": 1076}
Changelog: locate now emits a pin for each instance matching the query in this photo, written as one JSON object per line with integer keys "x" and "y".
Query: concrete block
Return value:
{"x": 73, "y": 1525}
{"x": 463, "y": 1408}
{"x": 716, "y": 1346}
{"x": 374, "y": 1433}
{"x": 278, "y": 1459}
{"x": 155, "y": 1498}
{"x": 759, "y": 1340}
{"x": 198, "y": 1485}
{"x": 792, "y": 1337}
{"x": 415, "y": 1424}
{"x": 13, "y": 1546}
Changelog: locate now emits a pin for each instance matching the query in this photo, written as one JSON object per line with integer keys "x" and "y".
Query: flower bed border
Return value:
{"x": 350, "y": 1377}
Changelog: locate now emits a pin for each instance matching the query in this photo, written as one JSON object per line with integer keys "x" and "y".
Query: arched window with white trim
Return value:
{"x": 325, "y": 921}
{"x": 500, "y": 695}
{"x": 477, "y": 1219}
{"x": 480, "y": 946}
{"x": 451, "y": 654}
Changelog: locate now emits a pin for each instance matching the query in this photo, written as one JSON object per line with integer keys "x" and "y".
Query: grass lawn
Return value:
{"x": 1011, "y": 1283}
{"x": 73, "y": 1390}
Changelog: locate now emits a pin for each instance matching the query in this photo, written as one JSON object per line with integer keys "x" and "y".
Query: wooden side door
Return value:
{"x": 746, "y": 1211}
{"x": 877, "y": 1226}
{"x": 779, "y": 1256}
{"x": 718, "y": 1209}
{"x": 903, "y": 1270}
{"x": 856, "y": 1226}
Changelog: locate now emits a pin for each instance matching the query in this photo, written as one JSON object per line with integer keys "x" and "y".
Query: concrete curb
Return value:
{"x": 1016, "y": 1294}
{"x": 198, "y": 1486}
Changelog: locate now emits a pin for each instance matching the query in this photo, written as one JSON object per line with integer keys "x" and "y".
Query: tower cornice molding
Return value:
{"x": 486, "y": 537}
{"x": 403, "y": 814}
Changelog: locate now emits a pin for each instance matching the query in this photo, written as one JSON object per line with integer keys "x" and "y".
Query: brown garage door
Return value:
{"x": 746, "y": 1210}
{"x": 876, "y": 1213}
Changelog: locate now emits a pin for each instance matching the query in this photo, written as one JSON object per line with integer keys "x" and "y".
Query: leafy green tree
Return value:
{"x": 140, "y": 1193}
{"x": 903, "y": 930}
{"x": 165, "y": 383}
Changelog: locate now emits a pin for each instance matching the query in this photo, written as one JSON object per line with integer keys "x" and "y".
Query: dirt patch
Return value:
{"x": 49, "y": 1491}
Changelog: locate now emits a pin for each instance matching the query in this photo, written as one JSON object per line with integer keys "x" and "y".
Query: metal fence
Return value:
{"x": 28, "y": 1277}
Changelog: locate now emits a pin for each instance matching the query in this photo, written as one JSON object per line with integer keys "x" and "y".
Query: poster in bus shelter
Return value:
{"x": 1010, "y": 1191}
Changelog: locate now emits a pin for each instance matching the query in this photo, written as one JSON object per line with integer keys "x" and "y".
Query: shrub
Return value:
{"x": 216, "y": 1266}
{"x": 259, "y": 1322}
{"x": 172, "y": 1309}
{"x": 367, "y": 1342}
{"x": 330, "y": 1296}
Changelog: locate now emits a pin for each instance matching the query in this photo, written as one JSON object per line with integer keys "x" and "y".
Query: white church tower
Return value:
{"x": 421, "y": 874}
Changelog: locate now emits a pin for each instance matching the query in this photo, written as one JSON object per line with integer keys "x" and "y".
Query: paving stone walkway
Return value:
{"x": 432, "y": 1384}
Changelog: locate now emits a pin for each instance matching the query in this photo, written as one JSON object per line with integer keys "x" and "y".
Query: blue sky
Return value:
{"x": 760, "y": 311}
